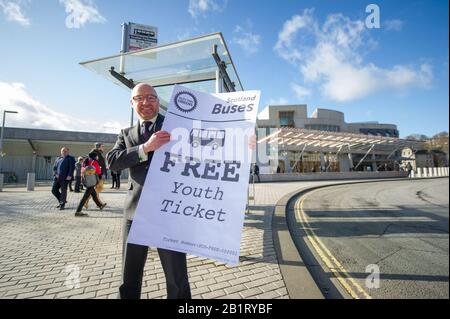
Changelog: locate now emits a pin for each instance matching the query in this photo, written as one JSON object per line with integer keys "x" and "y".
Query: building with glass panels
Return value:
{"x": 320, "y": 120}
{"x": 324, "y": 142}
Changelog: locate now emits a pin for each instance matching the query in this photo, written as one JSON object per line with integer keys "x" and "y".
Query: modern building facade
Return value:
{"x": 34, "y": 150}
{"x": 276, "y": 116}
{"x": 308, "y": 156}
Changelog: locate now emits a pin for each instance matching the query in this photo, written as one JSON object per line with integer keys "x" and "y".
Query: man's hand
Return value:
{"x": 157, "y": 140}
{"x": 68, "y": 178}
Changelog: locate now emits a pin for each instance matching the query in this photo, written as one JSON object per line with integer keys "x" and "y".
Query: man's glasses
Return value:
{"x": 141, "y": 98}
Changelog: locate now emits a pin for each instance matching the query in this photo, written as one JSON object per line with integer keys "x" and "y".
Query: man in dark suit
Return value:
{"x": 62, "y": 175}
{"x": 134, "y": 150}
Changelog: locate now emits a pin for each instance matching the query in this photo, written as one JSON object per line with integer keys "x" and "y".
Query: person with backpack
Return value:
{"x": 98, "y": 150}
{"x": 91, "y": 173}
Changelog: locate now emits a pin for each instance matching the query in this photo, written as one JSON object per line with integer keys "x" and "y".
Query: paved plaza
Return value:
{"x": 40, "y": 246}
{"x": 51, "y": 254}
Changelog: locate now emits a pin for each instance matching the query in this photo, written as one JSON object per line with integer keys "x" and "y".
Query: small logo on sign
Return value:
{"x": 185, "y": 101}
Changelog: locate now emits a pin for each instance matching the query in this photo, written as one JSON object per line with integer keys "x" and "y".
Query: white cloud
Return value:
{"x": 201, "y": 7}
{"x": 246, "y": 39}
{"x": 264, "y": 114}
{"x": 334, "y": 59}
{"x": 300, "y": 91}
{"x": 395, "y": 25}
{"x": 33, "y": 114}
{"x": 13, "y": 12}
{"x": 81, "y": 12}
{"x": 284, "y": 45}
{"x": 279, "y": 101}
{"x": 188, "y": 33}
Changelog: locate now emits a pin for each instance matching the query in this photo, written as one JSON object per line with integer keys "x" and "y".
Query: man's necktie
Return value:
{"x": 146, "y": 130}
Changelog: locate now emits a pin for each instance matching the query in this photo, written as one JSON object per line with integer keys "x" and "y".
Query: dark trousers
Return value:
{"x": 77, "y": 184}
{"x": 59, "y": 190}
{"x": 174, "y": 265}
{"x": 115, "y": 180}
{"x": 90, "y": 191}
{"x": 114, "y": 183}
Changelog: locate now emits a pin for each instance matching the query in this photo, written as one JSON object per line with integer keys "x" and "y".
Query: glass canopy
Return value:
{"x": 188, "y": 62}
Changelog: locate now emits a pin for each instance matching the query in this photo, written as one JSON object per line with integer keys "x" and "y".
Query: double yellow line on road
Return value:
{"x": 352, "y": 287}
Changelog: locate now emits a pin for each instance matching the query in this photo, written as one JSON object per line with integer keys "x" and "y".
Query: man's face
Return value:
{"x": 145, "y": 102}
{"x": 64, "y": 151}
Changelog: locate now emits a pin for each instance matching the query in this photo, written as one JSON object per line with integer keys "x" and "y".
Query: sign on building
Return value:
{"x": 195, "y": 193}
{"x": 139, "y": 36}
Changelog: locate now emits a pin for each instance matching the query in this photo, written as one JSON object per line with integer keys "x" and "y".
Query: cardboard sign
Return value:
{"x": 195, "y": 193}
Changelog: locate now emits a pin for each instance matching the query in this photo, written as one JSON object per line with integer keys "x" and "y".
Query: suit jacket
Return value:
{"x": 125, "y": 154}
{"x": 67, "y": 167}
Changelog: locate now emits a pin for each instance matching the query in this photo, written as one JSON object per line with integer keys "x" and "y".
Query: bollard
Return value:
{"x": 435, "y": 172}
{"x": 413, "y": 174}
{"x": 1, "y": 181}
{"x": 419, "y": 172}
{"x": 30, "y": 181}
{"x": 440, "y": 171}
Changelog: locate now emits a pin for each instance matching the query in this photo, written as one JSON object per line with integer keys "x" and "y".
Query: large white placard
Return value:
{"x": 195, "y": 193}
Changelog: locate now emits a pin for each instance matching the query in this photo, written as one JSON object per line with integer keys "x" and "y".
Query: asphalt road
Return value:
{"x": 397, "y": 227}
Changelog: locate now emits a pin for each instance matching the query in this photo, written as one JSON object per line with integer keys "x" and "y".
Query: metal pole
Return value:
{"x": 1, "y": 141}
{"x": 1, "y": 136}
{"x": 123, "y": 48}
{"x": 218, "y": 79}
{"x": 364, "y": 157}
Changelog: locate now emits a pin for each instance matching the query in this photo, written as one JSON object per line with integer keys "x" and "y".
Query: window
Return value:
{"x": 379, "y": 132}
{"x": 286, "y": 119}
{"x": 212, "y": 134}
{"x": 323, "y": 127}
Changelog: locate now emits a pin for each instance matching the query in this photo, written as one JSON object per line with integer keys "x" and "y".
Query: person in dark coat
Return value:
{"x": 62, "y": 175}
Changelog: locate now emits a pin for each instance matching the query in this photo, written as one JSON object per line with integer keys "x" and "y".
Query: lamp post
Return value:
{"x": 1, "y": 136}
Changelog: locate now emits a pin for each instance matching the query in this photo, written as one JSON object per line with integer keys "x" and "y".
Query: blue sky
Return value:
{"x": 318, "y": 53}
